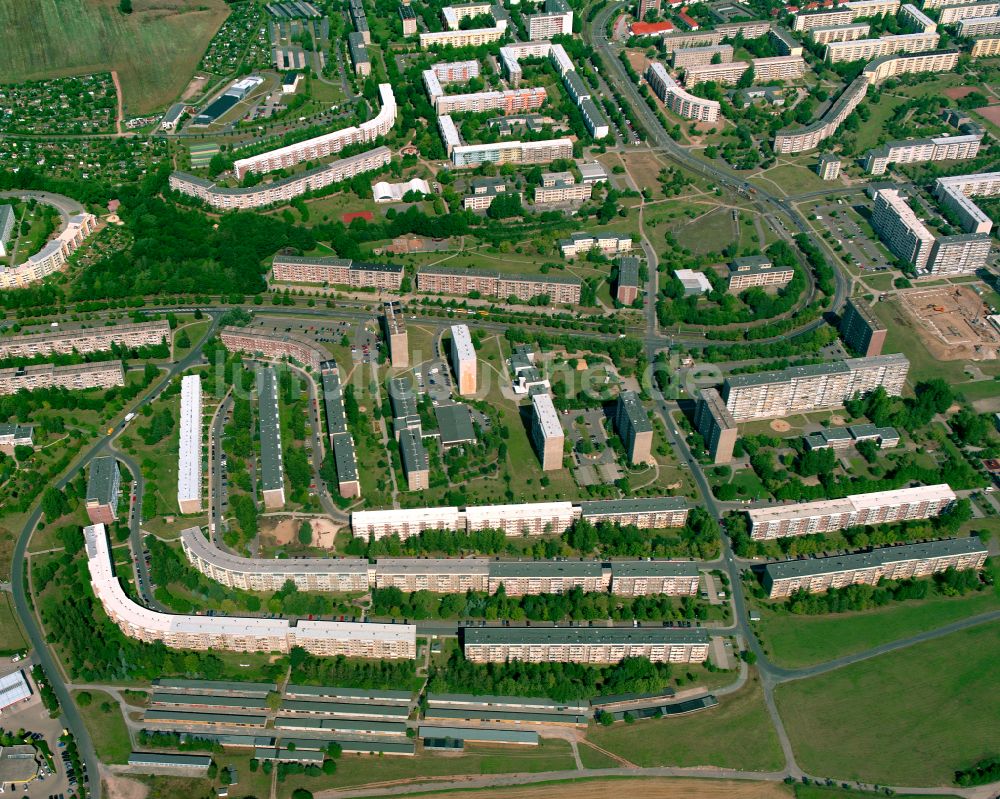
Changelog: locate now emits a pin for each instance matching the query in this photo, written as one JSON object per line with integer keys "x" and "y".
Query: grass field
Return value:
{"x": 911, "y": 717}
{"x": 735, "y": 734}
{"x": 155, "y": 50}
{"x": 797, "y": 641}
{"x": 822, "y": 792}
{"x": 356, "y": 770}
{"x": 106, "y": 727}
{"x": 11, "y": 636}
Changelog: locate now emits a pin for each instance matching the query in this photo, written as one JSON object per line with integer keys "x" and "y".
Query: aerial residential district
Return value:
{"x": 533, "y": 399}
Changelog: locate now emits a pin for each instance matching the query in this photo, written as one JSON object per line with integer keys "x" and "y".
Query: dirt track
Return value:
{"x": 653, "y": 788}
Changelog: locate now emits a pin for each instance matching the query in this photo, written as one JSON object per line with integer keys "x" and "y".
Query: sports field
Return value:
{"x": 911, "y": 717}
{"x": 155, "y": 49}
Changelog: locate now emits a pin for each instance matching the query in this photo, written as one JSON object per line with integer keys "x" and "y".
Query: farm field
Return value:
{"x": 927, "y": 710}
{"x": 798, "y": 641}
{"x": 155, "y": 49}
{"x": 735, "y": 734}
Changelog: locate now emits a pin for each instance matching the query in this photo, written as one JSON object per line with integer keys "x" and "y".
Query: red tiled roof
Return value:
{"x": 644, "y": 28}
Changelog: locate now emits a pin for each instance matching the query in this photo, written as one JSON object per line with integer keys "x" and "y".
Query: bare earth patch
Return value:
{"x": 990, "y": 112}
{"x": 780, "y": 426}
{"x": 656, "y": 788}
{"x": 119, "y": 787}
{"x": 951, "y": 322}
{"x": 285, "y": 530}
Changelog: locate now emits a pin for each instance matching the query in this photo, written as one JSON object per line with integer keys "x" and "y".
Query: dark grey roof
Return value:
{"x": 347, "y": 693}
{"x": 189, "y": 700}
{"x": 250, "y": 688}
{"x": 345, "y": 725}
{"x": 585, "y": 635}
{"x": 345, "y": 456}
{"x": 876, "y": 557}
{"x": 413, "y": 452}
{"x": 576, "y": 85}
{"x": 271, "y": 467}
{"x": 168, "y": 759}
{"x": 240, "y": 719}
{"x": 354, "y": 266}
{"x": 479, "y": 734}
{"x": 628, "y": 271}
{"x": 636, "y": 505}
{"x": 332, "y": 708}
{"x": 455, "y": 423}
{"x": 792, "y": 372}
{"x": 653, "y": 568}
{"x": 754, "y": 264}
{"x": 864, "y": 310}
{"x": 101, "y": 482}
{"x": 636, "y": 414}
{"x": 404, "y": 401}
{"x": 545, "y": 568}
{"x": 333, "y": 397}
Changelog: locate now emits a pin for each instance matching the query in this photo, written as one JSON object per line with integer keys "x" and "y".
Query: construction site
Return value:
{"x": 953, "y": 322}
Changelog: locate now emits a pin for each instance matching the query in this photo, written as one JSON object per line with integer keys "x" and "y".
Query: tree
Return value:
{"x": 305, "y": 534}
{"x": 125, "y": 6}
{"x": 84, "y": 699}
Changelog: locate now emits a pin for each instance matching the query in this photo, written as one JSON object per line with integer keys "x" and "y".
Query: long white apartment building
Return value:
{"x": 511, "y": 54}
{"x": 677, "y": 99}
{"x": 271, "y": 574}
{"x": 556, "y": 19}
{"x": 439, "y": 575}
{"x": 464, "y": 38}
{"x": 816, "y": 575}
{"x": 840, "y": 33}
{"x": 272, "y": 346}
{"x": 325, "y": 145}
{"x": 89, "y": 339}
{"x": 906, "y": 237}
{"x": 800, "y": 389}
{"x": 886, "y": 45}
{"x": 979, "y": 26}
{"x": 911, "y": 151}
{"x": 53, "y": 256}
{"x": 808, "y": 137}
{"x": 74, "y": 377}
{"x": 845, "y": 13}
{"x": 585, "y": 644}
{"x": 609, "y": 244}
{"x": 957, "y": 192}
{"x": 189, "y": 454}
{"x": 336, "y": 271}
{"x": 511, "y": 152}
{"x": 322, "y": 638}
{"x": 943, "y": 3}
{"x": 537, "y": 517}
{"x": 239, "y": 198}
{"x": 913, "y": 16}
{"x": 508, "y": 101}
{"x": 724, "y": 74}
{"x": 951, "y": 14}
{"x": 830, "y": 515}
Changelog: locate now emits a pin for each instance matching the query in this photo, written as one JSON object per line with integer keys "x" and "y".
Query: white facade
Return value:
{"x": 676, "y": 99}
{"x": 52, "y": 257}
{"x": 189, "y": 457}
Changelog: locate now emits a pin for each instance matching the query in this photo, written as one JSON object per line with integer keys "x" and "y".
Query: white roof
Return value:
{"x": 196, "y": 543}
{"x": 548, "y": 419}
{"x": 692, "y": 279}
{"x": 461, "y": 342}
{"x": 433, "y": 84}
{"x": 432, "y": 566}
{"x": 563, "y": 61}
{"x": 447, "y": 516}
{"x": 394, "y": 192}
{"x": 905, "y": 213}
{"x": 189, "y": 458}
{"x": 478, "y": 515}
{"x": 13, "y": 688}
{"x": 449, "y": 132}
{"x": 852, "y": 504}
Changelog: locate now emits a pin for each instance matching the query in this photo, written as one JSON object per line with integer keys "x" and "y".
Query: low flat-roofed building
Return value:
{"x": 196, "y": 687}
{"x": 627, "y": 283}
{"x": 479, "y": 735}
{"x": 694, "y": 283}
{"x": 377, "y": 695}
{"x": 815, "y": 575}
{"x": 828, "y": 515}
{"x": 14, "y": 689}
{"x": 585, "y": 644}
{"x": 169, "y": 762}
{"x": 103, "y": 486}
{"x": 756, "y": 270}
{"x": 271, "y": 574}
{"x": 354, "y": 710}
{"x": 440, "y": 575}
{"x": 16, "y": 435}
{"x": 455, "y": 424}
{"x": 582, "y": 243}
{"x": 645, "y": 512}
{"x": 646, "y": 577}
{"x": 519, "y": 578}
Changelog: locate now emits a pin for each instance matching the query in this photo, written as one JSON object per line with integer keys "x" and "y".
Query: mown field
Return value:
{"x": 155, "y": 49}
{"x": 911, "y": 717}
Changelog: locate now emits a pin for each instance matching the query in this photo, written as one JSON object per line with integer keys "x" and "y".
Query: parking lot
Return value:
{"x": 600, "y": 465}
{"x": 861, "y": 245}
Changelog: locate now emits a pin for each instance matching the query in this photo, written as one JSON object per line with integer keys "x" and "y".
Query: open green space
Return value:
{"x": 823, "y": 792}
{"x": 911, "y": 717}
{"x": 737, "y": 733}
{"x": 103, "y": 718}
{"x": 791, "y": 178}
{"x": 11, "y": 635}
{"x": 354, "y": 770}
{"x": 155, "y": 50}
{"x": 797, "y": 641}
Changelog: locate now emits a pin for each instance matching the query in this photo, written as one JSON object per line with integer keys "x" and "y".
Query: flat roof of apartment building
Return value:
{"x": 635, "y": 505}
{"x": 546, "y": 568}
{"x": 333, "y": 397}
{"x": 852, "y": 503}
{"x": 460, "y": 270}
{"x": 356, "y": 266}
{"x": 636, "y": 413}
{"x": 864, "y": 310}
{"x": 271, "y": 468}
{"x": 402, "y": 397}
{"x": 723, "y": 417}
{"x": 753, "y": 265}
{"x": 876, "y": 557}
{"x": 196, "y": 686}
{"x": 194, "y": 540}
{"x": 461, "y": 341}
{"x": 548, "y": 418}
{"x": 815, "y": 370}
{"x": 101, "y": 480}
{"x": 628, "y": 271}
{"x": 585, "y": 635}
{"x": 189, "y": 459}
{"x": 413, "y": 452}
{"x": 433, "y": 566}
{"x": 293, "y": 689}
{"x": 345, "y": 456}
{"x": 653, "y": 568}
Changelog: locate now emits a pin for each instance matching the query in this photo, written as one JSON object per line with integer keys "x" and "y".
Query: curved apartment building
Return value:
{"x": 239, "y": 634}
{"x": 677, "y": 99}
{"x": 325, "y": 145}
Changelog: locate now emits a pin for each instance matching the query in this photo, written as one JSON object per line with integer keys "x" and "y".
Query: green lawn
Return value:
{"x": 11, "y": 636}
{"x": 155, "y": 49}
{"x": 911, "y": 717}
{"x": 355, "y": 770}
{"x": 797, "y": 641}
{"x": 106, "y": 726}
{"x": 822, "y": 792}
{"x": 735, "y": 734}
{"x": 591, "y": 758}
{"x": 792, "y": 178}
